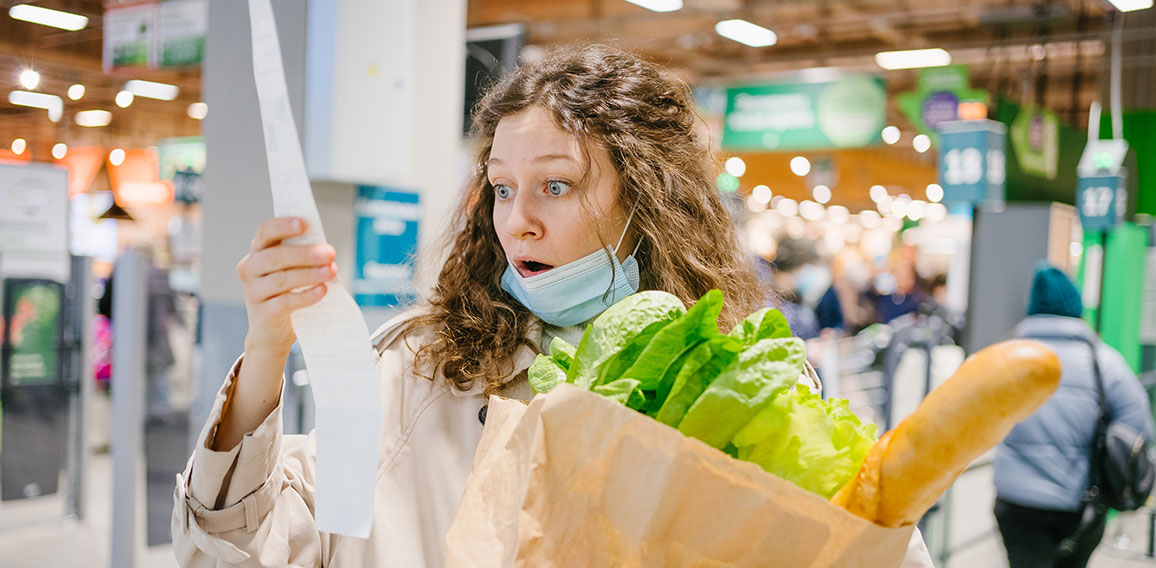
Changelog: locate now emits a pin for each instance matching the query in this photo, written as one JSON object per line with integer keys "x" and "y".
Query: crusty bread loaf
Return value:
{"x": 912, "y": 465}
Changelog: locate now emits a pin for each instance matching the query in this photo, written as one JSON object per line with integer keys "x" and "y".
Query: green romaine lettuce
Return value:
{"x": 700, "y": 322}
{"x": 701, "y": 366}
{"x": 767, "y": 323}
{"x": 730, "y": 402}
{"x": 562, "y": 352}
{"x": 815, "y": 444}
{"x": 612, "y": 330}
{"x": 623, "y": 391}
{"x": 545, "y": 373}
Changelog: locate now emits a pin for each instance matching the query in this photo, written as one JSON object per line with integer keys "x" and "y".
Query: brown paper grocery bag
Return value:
{"x": 574, "y": 479}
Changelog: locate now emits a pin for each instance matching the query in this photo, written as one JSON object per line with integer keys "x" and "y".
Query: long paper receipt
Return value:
{"x": 332, "y": 333}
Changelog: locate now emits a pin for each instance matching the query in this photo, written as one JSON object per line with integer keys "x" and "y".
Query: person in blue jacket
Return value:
{"x": 1041, "y": 468}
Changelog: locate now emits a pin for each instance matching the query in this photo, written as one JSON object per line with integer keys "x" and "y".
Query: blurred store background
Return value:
{"x": 896, "y": 170}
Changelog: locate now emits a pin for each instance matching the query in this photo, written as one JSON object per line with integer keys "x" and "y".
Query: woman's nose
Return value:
{"x": 523, "y": 222}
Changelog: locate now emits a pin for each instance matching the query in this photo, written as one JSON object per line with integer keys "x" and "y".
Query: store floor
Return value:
{"x": 33, "y": 534}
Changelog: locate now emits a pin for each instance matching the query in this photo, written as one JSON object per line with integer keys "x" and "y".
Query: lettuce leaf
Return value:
{"x": 545, "y": 373}
{"x": 733, "y": 399}
{"x": 700, "y": 322}
{"x": 767, "y": 323}
{"x": 623, "y": 391}
{"x": 615, "y": 367}
{"x": 612, "y": 330}
{"x": 815, "y": 444}
{"x": 701, "y": 365}
{"x": 562, "y": 352}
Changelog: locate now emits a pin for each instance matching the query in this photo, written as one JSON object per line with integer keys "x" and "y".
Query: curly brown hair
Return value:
{"x": 646, "y": 122}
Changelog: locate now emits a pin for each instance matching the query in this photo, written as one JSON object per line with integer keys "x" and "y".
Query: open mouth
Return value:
{"x": 528, "y": 268}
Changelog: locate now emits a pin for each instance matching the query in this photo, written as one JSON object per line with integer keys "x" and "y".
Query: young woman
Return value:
{"x": 590, "y": 184}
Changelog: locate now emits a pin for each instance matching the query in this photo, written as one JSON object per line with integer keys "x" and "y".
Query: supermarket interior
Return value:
{"x": 925, "y": 191}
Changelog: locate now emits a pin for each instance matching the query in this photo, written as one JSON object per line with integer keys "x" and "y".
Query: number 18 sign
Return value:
{"x": 1102, "y": 201}
{"x": 971, "y": 160}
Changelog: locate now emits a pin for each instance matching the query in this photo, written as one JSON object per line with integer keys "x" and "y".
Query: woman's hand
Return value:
{"x": 278, "y": 278}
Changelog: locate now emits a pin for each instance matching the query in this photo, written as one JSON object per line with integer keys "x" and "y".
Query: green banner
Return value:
{"x": 846, "y": 113}
{"x": 33, "y": 319}
{"x": 1035, "y": 139}
{"x": 936, "y": 98}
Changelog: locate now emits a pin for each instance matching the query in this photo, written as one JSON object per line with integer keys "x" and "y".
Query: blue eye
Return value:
{"x": 502, "y": 191}
{"x": 557, "y": 188}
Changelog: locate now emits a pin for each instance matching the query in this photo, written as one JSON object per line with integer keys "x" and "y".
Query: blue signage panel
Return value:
{"x": 386, "y": 231}
{"x": 1101, "y": 201}
{"x": 972, "y": 164}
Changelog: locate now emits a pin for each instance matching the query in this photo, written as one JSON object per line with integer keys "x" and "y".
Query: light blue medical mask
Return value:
{"x": 576, "y": 291}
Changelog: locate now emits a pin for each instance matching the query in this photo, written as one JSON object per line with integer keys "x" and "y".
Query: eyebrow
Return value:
{"x": 542, "y": 158}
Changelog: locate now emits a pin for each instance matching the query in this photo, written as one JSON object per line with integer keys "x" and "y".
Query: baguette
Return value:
{"x": 913, "y": 464}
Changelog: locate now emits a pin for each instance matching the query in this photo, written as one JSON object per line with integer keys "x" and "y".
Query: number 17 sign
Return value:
{"x": 971, "y": 160}
{"x": 1102, "y": 201}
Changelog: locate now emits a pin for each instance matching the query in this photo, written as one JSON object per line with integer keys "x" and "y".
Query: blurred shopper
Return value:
{"x": 894, "y": 292}
{"x": 588, "y": 172}
{"x": 1041, "y": 469}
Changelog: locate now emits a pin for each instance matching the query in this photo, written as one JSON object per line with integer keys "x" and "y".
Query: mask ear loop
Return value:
{"x": 623, "y": 236}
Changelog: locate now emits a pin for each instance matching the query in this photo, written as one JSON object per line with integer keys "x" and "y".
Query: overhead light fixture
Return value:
{"x": 18, "y": 146}
{"x": 735, "y": 166}
{"x": 116, "y": 157}
{"x": 658, "y": 5}
{"x": 921, "y": 143}
{"x": 151, "y": 90}
{"x": 93, "y": 118}
{"x": 1131, "y": 5}
{"x": 912, "y": 58}
{"x": 787, "y": 207}
{"x": 745, "y": 32}
{"x": 76, "y": 92}
{"x": 123, "y": 99}
{"x": 59, "y": 150}
{"x": 890, "y": 134}
{"x": 48, "y": 17}
{"x": 29, "y": 79}
{"x": 198, "y": 111}
{"x": 50, "y": 103}
{"x": 115, "y": 211}
{"x": 762, "y": 193}
{"x": 800, "y": 166}
{"x": 821, "y": 193}
{"x": 878, "y": 193}
{"x": 934, "y": 192}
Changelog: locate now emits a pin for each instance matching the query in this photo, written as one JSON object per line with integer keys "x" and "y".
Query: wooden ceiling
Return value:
{"x": 65, "y": 58}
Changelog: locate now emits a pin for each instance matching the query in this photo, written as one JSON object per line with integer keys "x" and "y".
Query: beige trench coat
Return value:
{"x": 252, "y": 505}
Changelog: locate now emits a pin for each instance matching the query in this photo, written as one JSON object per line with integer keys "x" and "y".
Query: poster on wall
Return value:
{"x": 181, "y": 28}
{"x": 182, "y": 161}
{"x": 846, "y": 113}
{"x": 385, "y": 242}
{"x": 32, "y": 329}
{"x": 34, "y": 221}
{"x": 129, "y": 36}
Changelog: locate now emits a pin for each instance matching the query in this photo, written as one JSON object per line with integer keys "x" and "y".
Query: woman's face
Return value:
{"x": 544, "y": 219}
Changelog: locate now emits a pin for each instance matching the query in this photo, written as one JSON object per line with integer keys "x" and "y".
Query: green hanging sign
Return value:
{"x": 937, "y": 96}
{"x": 1035, "y": 139}
{"x": 847, "y": 113}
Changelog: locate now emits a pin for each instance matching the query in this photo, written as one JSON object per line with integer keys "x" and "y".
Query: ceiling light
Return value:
{"x": 59, "y": 150}
{"x": 47, "y": 17}
{"x": 1131, "y": 5}
{"x": 198, "y": 111}
{"x": 811, "y": 211}
{"x": 123, "y": 99}
{"x": 29, "y": 79}
{"x": 935, "y": 212}
{"x": 18, "y": 146}
{"x": 75, "y": 92}
{"x": 800, "y": 166}
{"x": 735, "y": 166}
{"x": 93, "y": 118}
{"x": 912, "y": 58}
{"x": 754, "y": 205}
{"x": 934, "y": 192}
{"x": 762, "y": 193}
{"x": 899, "y": 208}
{"x": 869, "y": 219}
{"x": 890, "y": 134}
{"x": 921, "y": 143}
{"x": 787, "y": 207}
{"x": 51, "y": 103}
{"x": 838, "y": 214}
{"x": 878, "y": 193}
{"x": 745, "y": 32}
{"x": 916, "y": 209}
{"x": 151, "y": 90}
{"x": 658, "y": 5}
{"x": 116, "y": 157}
{"x": 821, "y": 193}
